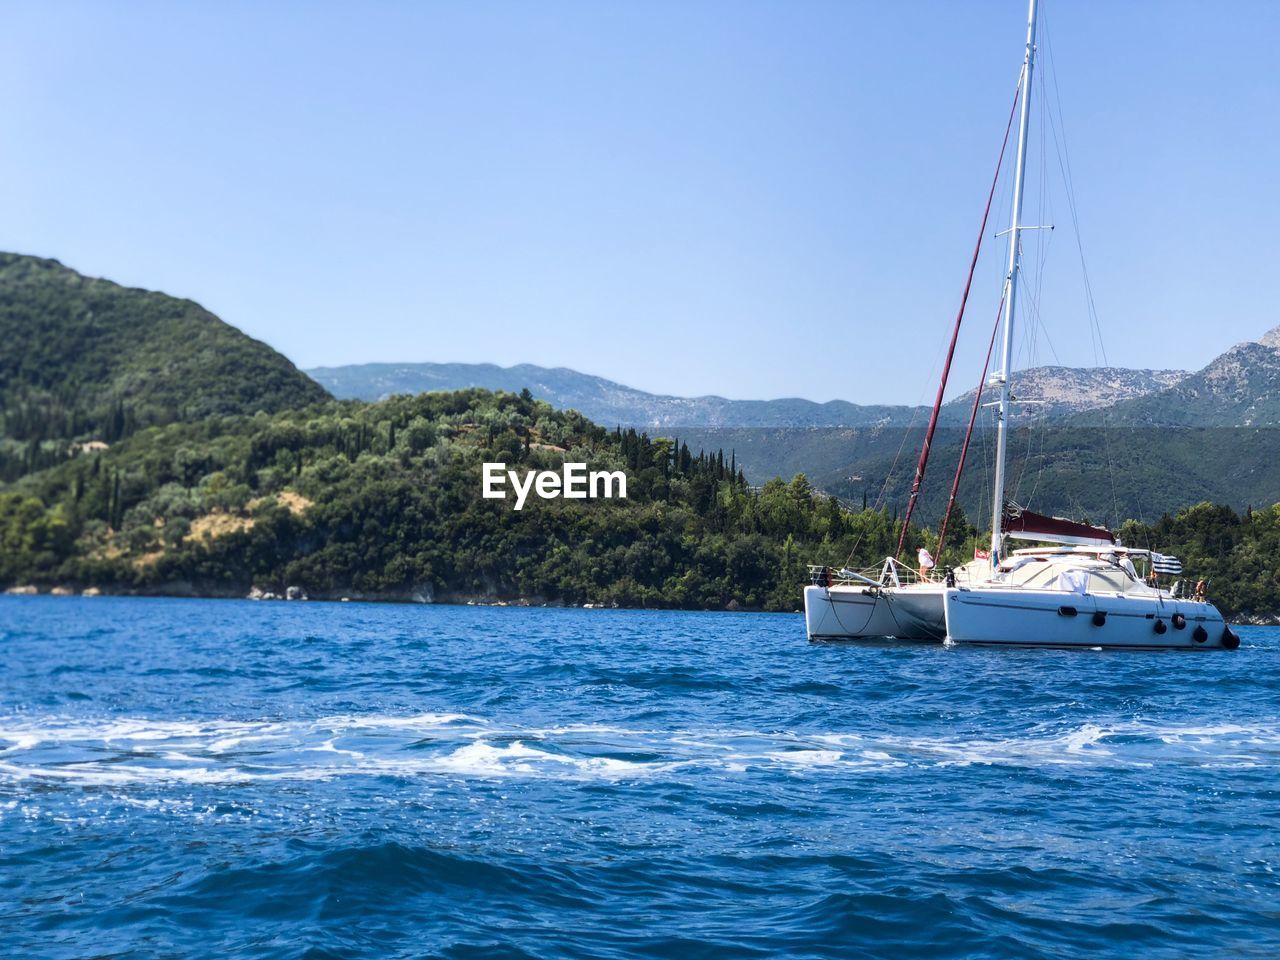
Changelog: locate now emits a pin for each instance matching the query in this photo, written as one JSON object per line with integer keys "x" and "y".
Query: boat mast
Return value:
{"x": 1001, "y": 377}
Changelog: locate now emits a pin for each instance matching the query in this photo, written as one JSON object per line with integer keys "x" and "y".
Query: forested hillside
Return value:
{"x": 145, "y": 446}
{"x": 85, "y": 359}
{"x": 383, "y": 500}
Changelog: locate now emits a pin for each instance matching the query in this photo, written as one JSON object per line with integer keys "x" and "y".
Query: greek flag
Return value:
{"x": 1161, "y": 563}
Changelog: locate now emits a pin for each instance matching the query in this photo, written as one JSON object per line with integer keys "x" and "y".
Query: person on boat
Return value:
{"x": 926, "y": 563}
{"x": 1123, "y": 561}
{"x": 1202, "y": 587}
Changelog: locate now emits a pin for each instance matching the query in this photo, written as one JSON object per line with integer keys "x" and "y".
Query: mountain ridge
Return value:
{"x": 1045, "y": 391}
{"x": 1238, "y": 388}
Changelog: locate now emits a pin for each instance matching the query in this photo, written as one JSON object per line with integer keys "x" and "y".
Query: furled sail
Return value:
{"x": 1025, "y": 525}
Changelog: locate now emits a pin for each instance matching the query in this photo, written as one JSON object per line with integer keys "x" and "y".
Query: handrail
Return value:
{"x": 890, "y": 573}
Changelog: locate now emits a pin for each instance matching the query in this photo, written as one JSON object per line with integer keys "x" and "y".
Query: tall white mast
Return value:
{"x": 1011, "y": 300}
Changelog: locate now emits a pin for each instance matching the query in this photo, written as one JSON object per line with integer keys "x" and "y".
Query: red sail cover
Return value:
{"x": 1033, "y": 526}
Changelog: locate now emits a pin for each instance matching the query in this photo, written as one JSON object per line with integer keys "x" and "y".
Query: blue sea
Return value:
{"x": 189, "y": 778}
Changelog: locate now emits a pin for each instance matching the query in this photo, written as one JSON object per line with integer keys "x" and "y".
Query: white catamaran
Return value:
{"x": 1084, "y": 592}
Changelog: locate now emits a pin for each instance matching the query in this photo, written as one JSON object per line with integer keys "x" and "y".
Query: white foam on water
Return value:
{"x": 805, "y": 758}
{"x": 517, "y": 758}
{"x": 879, "y": 756}
{"x": 421, "y": 721}
{"x": 574, "y": 729}
{"x": 1208, "y": 734}
{"x": 121, "y": 751}
{"x": 116, "y": 774}
{"x": 1131, "y": 743}
{"x": 18, "y": 741}
{"x": 1086, "y": 737}
{"x": 485, "y": 759}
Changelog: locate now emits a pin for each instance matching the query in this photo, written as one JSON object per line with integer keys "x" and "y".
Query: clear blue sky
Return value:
{"x": 745, "y": 198}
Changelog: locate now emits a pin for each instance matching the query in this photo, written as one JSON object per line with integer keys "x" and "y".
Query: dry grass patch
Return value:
{"x": 217, "y": 524}
{"x": 291, "y": 500}
{"x": 148, "y": 559}
{"x": 294, "y": 502}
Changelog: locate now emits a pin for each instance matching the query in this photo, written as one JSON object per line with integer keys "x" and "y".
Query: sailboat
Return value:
{"x": 1084, "y": 590}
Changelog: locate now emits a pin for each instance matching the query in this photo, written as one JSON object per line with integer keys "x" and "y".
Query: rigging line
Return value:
{"x": 955, "y": 332}
{"x": 1095, "y": 328}
{"x": 1035, "y": 329}
{"x": 1059, "y": 130}
{"x": 985, "y": 428}
{"x": 989, "y": 485}
{"x": 964, "y": 447}
{"x": 1044, "y": 240}
{"x": 882, "y": 496}
{"x": 1037, "y": 432}
{"x": 884, "y": 488}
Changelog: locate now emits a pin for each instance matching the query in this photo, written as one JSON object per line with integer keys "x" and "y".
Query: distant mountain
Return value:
{"x": 1065, "y": 391}
{"x": 1209, "y": 435}
{"x": 86, "y": 358}
{"x": 604, "y": 401}
{"x": 1048, "y": 391}
{"x": 1240, "y": 388}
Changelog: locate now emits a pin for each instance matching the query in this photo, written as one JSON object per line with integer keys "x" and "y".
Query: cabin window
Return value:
{"x": 1108, "y": 581}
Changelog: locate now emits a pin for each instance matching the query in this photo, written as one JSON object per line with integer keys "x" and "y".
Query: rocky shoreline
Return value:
{"x": 422, "y": 595}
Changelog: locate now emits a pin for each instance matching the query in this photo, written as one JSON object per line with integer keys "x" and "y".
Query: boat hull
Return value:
{"x": 1053, "y": 618}
{"x": 855, "y": 612}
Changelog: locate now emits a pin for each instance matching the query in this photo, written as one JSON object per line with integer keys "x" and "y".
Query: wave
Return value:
{"x": 116, "y": 751}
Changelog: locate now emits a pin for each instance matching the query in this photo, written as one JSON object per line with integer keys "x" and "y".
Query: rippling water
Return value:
{"x": 216, "y": 778}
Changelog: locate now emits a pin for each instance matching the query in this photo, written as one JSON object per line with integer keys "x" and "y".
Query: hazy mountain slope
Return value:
{"x": 1054, "y": 391}
{"x": 1211, "y": 435}
{"x": 600, "y": 400}
{"x": 824, "y": 454}
{"x": 1063, "y": 391}
{"x": 1103, "y": 474}
{"x": 1240, "y": 388}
